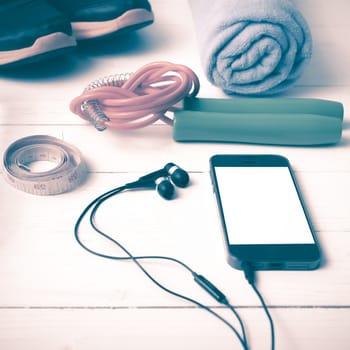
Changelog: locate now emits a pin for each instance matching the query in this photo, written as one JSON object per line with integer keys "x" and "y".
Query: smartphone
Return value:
{"x": 264, "y": 219}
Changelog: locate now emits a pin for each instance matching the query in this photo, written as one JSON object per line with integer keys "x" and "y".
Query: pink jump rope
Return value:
{"x": 130, "y": 101}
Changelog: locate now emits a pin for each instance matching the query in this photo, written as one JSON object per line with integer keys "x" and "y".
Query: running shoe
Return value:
{"x": 30, "y": 30}
{"x": 99, "y": 18}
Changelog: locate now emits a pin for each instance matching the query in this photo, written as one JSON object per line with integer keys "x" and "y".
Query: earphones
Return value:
{"x": 163, "y": 180}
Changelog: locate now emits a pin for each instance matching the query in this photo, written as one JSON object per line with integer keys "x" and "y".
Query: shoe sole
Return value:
{"x": 51, "y": 43}
{"x": 130, "y": 20}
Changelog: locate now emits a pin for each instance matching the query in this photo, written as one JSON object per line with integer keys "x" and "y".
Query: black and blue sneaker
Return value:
{"x": 30, "y": 30}
{"x": 92, "y": 19}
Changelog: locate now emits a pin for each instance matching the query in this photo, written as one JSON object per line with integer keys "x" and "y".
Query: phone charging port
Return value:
{"x": 276, "y": 266}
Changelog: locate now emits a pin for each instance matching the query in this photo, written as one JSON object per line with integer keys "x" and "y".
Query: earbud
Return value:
{"x": 165, "y": 188}
{"x": 159, "y": 179}
{"x": 178, "y": 176}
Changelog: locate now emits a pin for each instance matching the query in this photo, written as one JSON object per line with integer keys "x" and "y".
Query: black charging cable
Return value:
{"x": 199, "y": 279}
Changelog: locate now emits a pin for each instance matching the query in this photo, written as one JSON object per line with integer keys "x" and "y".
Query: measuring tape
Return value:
{"x": 67, "y": 173}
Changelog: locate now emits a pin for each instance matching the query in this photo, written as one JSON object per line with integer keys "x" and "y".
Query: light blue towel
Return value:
{"x": 254, "y": 47}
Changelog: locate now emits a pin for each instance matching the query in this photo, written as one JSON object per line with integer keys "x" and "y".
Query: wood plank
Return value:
{"x": 188, "y": 329}
{"x": 153, "y": 147}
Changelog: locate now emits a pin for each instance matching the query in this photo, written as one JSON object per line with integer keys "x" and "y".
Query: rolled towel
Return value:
{"x": 255, "y": 47}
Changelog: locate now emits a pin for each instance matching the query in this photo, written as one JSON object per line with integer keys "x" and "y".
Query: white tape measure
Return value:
{"x": 66, "y": 173}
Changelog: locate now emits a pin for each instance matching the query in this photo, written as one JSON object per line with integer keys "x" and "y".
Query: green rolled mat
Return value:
{"x": 275, "y": 121}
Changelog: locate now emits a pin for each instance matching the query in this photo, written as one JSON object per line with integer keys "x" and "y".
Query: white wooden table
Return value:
{"x": 55, "y": 296}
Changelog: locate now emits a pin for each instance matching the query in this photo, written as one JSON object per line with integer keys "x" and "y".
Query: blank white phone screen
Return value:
{"x": 261, "y": 206}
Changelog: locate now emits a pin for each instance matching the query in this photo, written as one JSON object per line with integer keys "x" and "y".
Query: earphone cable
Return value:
{"x": 93, "y": 206}
{"x": 161, "y": 286}
{"x": 250, "y": 277}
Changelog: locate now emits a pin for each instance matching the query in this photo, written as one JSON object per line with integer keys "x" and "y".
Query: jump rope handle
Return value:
{"x": 275, "y": 121}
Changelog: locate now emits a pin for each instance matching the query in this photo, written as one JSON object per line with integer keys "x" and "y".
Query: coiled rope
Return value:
{"x": 130, "y": 101}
